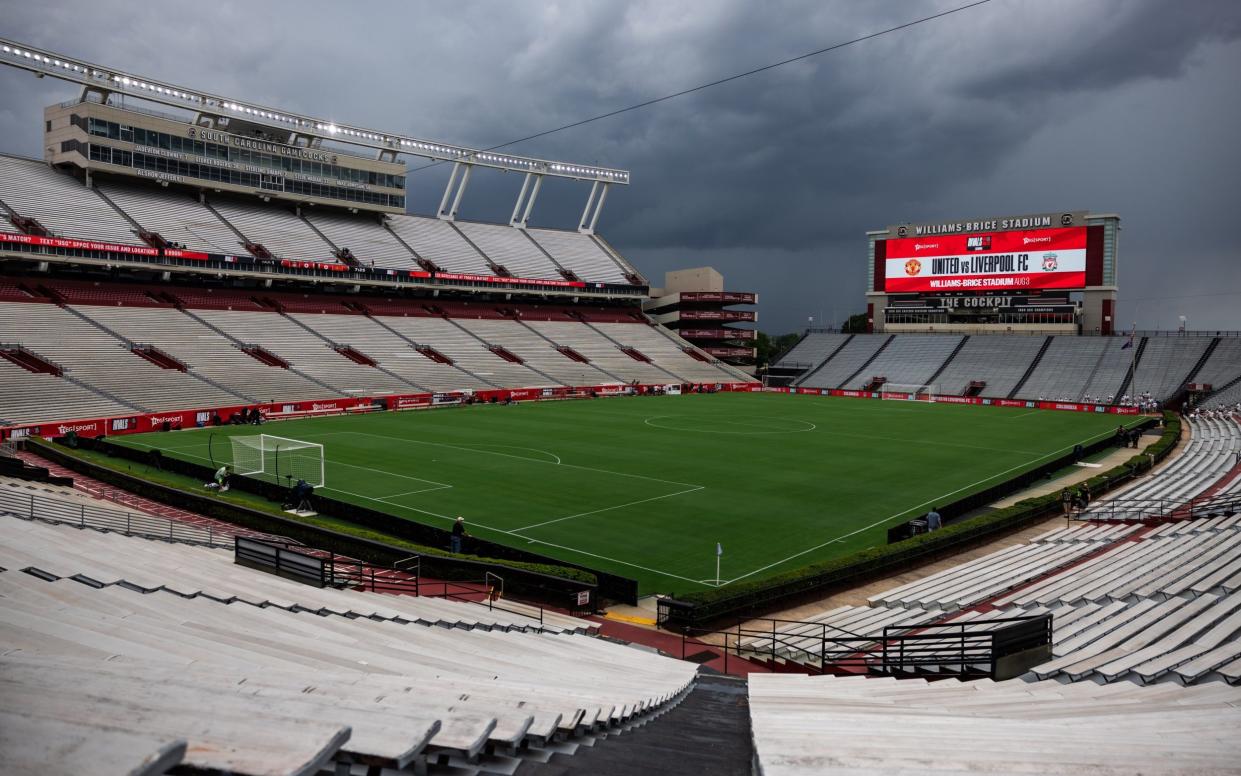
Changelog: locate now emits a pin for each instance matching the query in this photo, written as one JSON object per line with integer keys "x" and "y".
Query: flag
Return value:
{"x": 719, "y": 549}
{"x": 1129, "y": 342}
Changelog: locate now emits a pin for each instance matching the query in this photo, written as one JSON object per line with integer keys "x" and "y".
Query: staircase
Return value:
{"x": 947, "y": 361}
{"x": 873, "y": 356}
{"x": 708, "y": 732}
{"x": 1133, "y": 365}
{"x": 1030, "y": 369}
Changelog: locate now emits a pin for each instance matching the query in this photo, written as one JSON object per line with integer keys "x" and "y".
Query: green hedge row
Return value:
{"x": 746, "y": 597}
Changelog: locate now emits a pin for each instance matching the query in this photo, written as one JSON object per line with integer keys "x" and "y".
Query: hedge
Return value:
{"x": 746, "y": 598}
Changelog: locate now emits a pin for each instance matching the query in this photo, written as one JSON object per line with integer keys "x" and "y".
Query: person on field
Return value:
{"x": 459, "y": 534}
{"x": 220, "y": 480}
{"x": 933, "y": 520}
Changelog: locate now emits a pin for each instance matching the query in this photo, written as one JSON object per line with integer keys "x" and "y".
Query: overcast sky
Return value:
{"x": 1018, "y": 106}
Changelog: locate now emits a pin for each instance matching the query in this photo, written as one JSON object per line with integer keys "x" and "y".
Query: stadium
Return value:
{"x": 296, "y": 480}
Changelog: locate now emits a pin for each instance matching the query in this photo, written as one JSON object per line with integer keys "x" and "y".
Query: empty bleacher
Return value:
{"x": 580, "y": 254}
{"x": 511, "y": 249}
{"x": 60, "y": 202}
{"x": 175, "y": 215}
{"x": 535, "y": 350}
{"x": 467, "y": 352}
{"x": 911, "y": 359}
{"x": 845, "y": 363}
{"x": 1065, "y": 369}
{"x": 998, "y": 361}
{"x": 859, "y": 725}
{"x": 33, "y": 398}
{"x": 1223, "y": 366}
{"x": 1110, "y": 371}
{"x": 310, "y": 675}
{"x": 437, "y": 241}
{"x": 103, "y": 361}
{"x": 278, "y": 230}
{"x": 601, "y": 351}
{"x": 812, "y": 349}
{"x": 1165, "y": 364}
{"x": 365, "y": 237}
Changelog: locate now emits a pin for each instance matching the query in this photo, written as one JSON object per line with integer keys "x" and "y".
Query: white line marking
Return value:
{"x": 408, "y": 493}
{"x": 609, "y": 509}
{"x": 515, "y": 447}
{"x": 648, "y": 422}
{"x": 902, "y": 513}
{"x": 517, "y": 457}
{"x": 1022, "y": 415}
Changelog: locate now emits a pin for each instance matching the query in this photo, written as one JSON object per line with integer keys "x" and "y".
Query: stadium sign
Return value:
{"x": 1004, "y": 224}
{"x": 239, "y": 141}
{"x": 1005, "y": 260}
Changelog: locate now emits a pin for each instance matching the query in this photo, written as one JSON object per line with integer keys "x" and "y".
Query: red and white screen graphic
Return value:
{"x": 1033, "y": 259}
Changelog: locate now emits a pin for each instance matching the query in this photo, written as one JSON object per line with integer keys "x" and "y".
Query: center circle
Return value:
{"x": 733, "y": 426}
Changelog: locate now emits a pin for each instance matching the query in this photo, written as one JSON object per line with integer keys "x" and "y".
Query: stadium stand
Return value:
{"x": 912, "y": 359}
{"x": 437, "y": 241}
{"x": 511, "y": 249}
{"x": 996, "y": 360}
{"x": 812, "y": 349}
{"x": 1066, "y": 368}
{"x": 1224, "y": 365}
{"x": 1166, "y": 363}
{"x": 537, "y": 352}
{"x": 860, "y": 725}
{"x": 311, "y": 676}
{"x": 579, "y": 254}
{"x": 176, "y": 216}
{"x": 845, "y": 363}
{"x": 280, "y": 231}
{"x": 60, "y": 202}
{"x": 366, "y": 237}
{"x": 1108, "y": 377}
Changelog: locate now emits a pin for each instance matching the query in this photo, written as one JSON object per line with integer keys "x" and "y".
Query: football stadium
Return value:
{"x": 295, "y": 479}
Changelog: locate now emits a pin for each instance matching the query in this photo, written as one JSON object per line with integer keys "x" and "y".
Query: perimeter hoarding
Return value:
{"x": 996, "y": 261}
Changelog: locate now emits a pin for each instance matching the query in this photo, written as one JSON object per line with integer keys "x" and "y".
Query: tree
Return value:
{"x": 855, "y": 325}
{"x": 769, "y": 346}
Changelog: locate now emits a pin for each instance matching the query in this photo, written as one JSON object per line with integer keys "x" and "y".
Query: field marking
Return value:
{"x": 609, "y": 509}
{"x": 648, "y": 422}
{"x": 515, "y": 447}
{"x": 517, "y": 457}
{"x": 904, "y": 512}
{"x": 1022, "y": 415}
{"x": 407, "y": 493}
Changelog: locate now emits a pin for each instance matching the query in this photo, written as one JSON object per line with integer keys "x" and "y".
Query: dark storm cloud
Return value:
{"x": 1012, "y": 107}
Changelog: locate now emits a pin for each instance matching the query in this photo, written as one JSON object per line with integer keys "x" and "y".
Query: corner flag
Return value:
{"x": 719, "y": 549}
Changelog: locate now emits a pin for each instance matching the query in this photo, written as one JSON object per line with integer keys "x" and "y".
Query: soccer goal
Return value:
{"x": 284, "y": 461}
{"x": 909, "y": 392}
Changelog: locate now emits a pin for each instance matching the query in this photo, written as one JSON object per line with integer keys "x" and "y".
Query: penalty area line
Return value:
{"x": 609, "y": 509}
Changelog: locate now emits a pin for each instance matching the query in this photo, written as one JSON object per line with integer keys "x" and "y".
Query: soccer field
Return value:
{"x": 645, "y": 487}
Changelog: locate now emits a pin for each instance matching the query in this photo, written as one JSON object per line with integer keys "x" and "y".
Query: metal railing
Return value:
{"x": 967, "y": 649}
{"x": 1147, "y": 509}
{"x": 34, "y": 506}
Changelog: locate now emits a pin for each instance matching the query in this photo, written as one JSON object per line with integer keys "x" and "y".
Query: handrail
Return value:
{"x": 1155, "y": 508}
{"x": 32, "y": 506}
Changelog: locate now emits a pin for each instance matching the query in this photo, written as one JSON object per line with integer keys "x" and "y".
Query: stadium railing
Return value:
{"x": 1155, "y": 509}
{"x": 999, "y": 648}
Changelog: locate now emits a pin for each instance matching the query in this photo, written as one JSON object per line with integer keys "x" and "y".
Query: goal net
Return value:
{"x": 278, "y": 459}
{"x": 909, "y": 392}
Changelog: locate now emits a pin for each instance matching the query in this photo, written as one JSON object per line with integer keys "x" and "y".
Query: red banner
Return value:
{"x": 88, "y": 245}
{"x": 1030, "y": 259}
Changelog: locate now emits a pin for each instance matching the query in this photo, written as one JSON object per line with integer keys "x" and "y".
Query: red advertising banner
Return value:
{"x": 89, "y": 245}
{"x": 1019, "y": 260}
{"x": 509, "y": 281}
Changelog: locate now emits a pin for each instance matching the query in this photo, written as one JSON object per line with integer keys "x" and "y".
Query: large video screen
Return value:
{"x": 995, "y": 261}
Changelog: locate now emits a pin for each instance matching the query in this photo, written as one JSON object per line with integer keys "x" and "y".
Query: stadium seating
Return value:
{"x": 439, "y": 242}
{"x": 60, "y": 203}
{"x": 1065, "y": 369}
{"x": 511, "y": 249}
{"x": 911, "y": 359}
{"x": 29, "y": 398}
{"x": 1166, "y": 363}
{"x": 177, "y": 217}
{"x": 280, "y": 231}
{"x": 858, "y": 725}
{"x": 997, "y": 360}
{"x": 1109, "y": 373}
{"x": 310, "y": 675}
{"x": 845, "y": 363}
{"x": 1224, "y": 365}
{"x": 365, "y": 237}
{"x": 579, "y": 254}
{"x": 537, "y": 352}
{"x": 812, "y": 349}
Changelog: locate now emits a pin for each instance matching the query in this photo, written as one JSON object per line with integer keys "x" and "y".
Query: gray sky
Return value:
{"x": 1126, "y": 106}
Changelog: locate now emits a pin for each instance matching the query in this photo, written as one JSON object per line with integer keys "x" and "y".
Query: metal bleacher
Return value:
{"x": 812, "y": 349}
{"x": 579, "y": 253}
{"x": 1066, "y": 368}
{"x": 1165, "y": 363}
{"x": 437, "y": 241}
{"x": 176, "y": 216}
{"x": 999, "y": 361}
{"x": 911, "y": 359}
{"x": 138, "y": 639}
{"x": 280, "y": 231}
{"x": 845, "y": 363}
{"x": 510, "y": 248}
{"x": 60, "y": 202}
{"x": 365, "y": 237}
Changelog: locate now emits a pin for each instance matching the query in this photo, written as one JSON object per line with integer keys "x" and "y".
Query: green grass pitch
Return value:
{"x": 645, "y": 487}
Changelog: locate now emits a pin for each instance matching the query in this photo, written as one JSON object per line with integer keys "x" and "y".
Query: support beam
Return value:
{"x": 525, "y": 200}
{"x": 452, "y": 181}
{"x": 594, "y": 206}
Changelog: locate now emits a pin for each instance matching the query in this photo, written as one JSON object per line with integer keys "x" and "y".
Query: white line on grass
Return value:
{"x": 648, "y": 422}
{"x": 906, "y": 511}
{"x": 517, "y": 457}
{"x": 515, "y": 447}
{"x": 609, "y": 509}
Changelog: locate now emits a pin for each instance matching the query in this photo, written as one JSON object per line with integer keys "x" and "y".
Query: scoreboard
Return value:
{"x": 1025, "y": 260}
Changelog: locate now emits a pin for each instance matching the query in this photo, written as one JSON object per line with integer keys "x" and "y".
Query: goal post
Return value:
{"x": 909, "y": 391}
{"x": 281, "y": 460}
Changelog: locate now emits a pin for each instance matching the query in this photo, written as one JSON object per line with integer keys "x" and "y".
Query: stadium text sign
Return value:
{"x": 1017, "y": 260}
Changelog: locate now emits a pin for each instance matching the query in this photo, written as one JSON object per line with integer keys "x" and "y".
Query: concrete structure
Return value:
{"x": 694, "y": 304}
